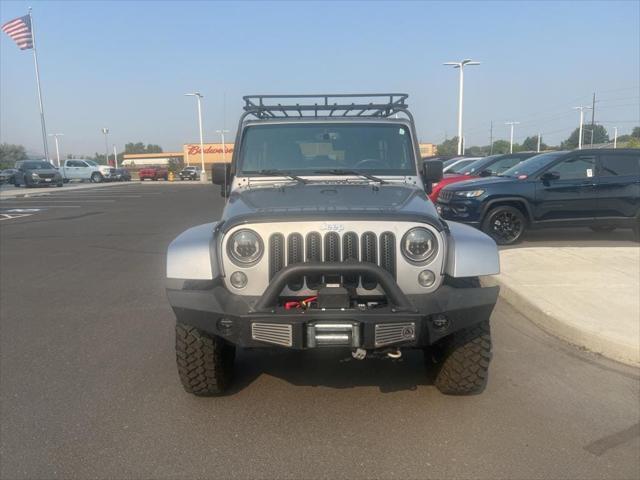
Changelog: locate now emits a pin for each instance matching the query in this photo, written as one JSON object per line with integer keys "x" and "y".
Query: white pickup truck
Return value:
{"x": 77, "y": 169}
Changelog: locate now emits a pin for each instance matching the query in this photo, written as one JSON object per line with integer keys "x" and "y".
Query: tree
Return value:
{"x": 531, "y": 144}
{"x": 141, "y": 148}
{"x": 635, "y": 133}
{"x": 10, "y": 154}
{"x": 448, "y": 147}
{"x": 600, "y": 135}
{"x": 477, "y": 151}
{"x": 502, "y": 146}
{"x": 633, "y": 143}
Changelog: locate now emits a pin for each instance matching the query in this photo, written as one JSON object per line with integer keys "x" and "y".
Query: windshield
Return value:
{"x": 37, "y": 166}
{"x": 461, "y": 165}
{"x": 531, "y": 165}
{"x": 314, "y": 149}
{"x": 92, "y": 163}
{"x": 477, "y": 166}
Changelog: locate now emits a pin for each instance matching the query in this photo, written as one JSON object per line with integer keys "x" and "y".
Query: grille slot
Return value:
{"x": 369, "y": 255}
{"x": 295, "y": 255}
{"x": 332, "y": 254}
{"x": 314, "y": 254}
{"x": 276, "y": 254}
{"x": 388, "y": 252}
{"x": 350, "y": 252}
{"x": 445, "y": 195}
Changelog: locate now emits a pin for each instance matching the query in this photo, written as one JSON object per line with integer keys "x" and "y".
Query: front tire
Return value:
{"x": 205, "y": 362}
{"x": 463, "y": 361}
{"x": 505, "y": 224}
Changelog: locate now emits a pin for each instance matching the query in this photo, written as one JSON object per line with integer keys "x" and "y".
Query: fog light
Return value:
{"x": 238, "y": 280}
{"x": 426, "y": 278}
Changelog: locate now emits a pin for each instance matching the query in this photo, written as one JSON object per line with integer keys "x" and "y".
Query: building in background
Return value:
{"x": 133, "y": 160}
{"x": 428, "y": 149}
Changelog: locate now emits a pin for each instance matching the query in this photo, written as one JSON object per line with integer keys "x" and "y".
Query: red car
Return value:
{"x": 485, "y": 167}
{"x": 153, "y": 173}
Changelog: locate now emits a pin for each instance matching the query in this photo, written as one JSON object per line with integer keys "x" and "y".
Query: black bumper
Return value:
{"x": 217, "y": 311}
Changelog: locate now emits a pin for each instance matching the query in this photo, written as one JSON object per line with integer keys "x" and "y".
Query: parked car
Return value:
{"x": 328, "y": 240}
{"x": 190, "y": 173}
{"x": 32, "y": 173}
{"x": 80, "y": 169}
{"x": 484, "y": 167}
{"x": 8, "y": 176}
{"x": 153, "y": 173}
{"x": 458, "y": 164}
{"x": 599, "y": 189}
{"x": 121, "y": 175}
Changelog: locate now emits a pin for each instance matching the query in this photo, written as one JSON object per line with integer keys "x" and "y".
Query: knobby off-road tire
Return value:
{"x": 205, "y": 362}
{"x": 464, "y": 361}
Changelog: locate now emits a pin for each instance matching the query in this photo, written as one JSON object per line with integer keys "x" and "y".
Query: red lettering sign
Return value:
{"x": 195, "y": 149}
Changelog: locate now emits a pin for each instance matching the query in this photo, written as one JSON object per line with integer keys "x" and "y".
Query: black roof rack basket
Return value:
{"x": 326, "y": 105}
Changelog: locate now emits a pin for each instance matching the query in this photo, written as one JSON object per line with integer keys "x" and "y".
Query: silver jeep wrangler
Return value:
{"x": 328, "y": 240}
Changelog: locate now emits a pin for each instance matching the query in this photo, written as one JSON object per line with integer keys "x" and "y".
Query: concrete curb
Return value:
{"x": 555, "y": 326}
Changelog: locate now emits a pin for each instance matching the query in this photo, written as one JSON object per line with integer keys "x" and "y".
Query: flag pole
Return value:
{"x": 35, "y": 59}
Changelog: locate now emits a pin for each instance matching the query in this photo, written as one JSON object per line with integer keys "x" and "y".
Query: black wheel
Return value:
{"x": 96, "y": 177}
{"x": 463, "y": 361}
{"x": 59, "y": 184}
{"x": 66, "y": 180}
{"x": 505, "y": 225}
{"x": 603, "y": 228}
{"x": 16, "y": 185}
{"x": 205, "y": 362}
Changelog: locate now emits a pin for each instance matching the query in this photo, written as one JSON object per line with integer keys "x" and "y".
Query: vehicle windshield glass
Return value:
{"x": 451, "y": 161}
{"x": 91, "y": 163}
{"x": 307, "y": 149}
{"x": 477, "y": 166}
{"x": 37, "y": 166}
{"x": 531, "y": 165}
{"x": 461, "y": 165}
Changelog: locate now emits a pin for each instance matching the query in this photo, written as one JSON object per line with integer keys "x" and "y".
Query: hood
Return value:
{"x": 297, "y": 202}
{"x": 475, "y": 182}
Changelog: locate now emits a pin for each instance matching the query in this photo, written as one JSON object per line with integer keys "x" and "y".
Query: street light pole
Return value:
{"x": 538, "y": 149}
{"x": 106, "y": 144}
{"x": 512, "y": 124}
{"x": 115, "y": 156}
{"x": 461, "y": 66}
{"x": 615, "y": 137}
{"x": 55, "y": 137}
{"x": 198, "y": 95}
{"x": 222, "y": 132}
{"x": 582, "y": 109}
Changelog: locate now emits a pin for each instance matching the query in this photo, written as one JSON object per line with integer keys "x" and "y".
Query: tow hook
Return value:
{"x": 395, "y": 354}
{"x": 359, "y": 353}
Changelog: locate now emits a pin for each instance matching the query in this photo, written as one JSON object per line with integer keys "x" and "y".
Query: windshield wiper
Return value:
{"x": 278, "y": 173}
{"x": 338, "y": 171}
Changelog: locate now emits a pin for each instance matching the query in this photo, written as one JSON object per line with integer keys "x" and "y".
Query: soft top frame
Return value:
{"x": 380, "y": 105}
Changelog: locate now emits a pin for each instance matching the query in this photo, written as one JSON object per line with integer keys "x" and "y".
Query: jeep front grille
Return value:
{"x": 332, "y": 248}
{"x": 445, "y": 196}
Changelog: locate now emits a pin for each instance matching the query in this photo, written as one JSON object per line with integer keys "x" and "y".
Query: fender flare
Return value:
{"x": 471, "y": 253}
{"x": 487, "y": 206}
{"x": 192, "y": 255}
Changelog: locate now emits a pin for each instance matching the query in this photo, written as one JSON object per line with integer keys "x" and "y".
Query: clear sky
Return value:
{"x": 126, "y": 65}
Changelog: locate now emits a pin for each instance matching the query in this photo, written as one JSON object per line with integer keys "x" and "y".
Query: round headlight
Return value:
{"x": 419, "y": 245}
{"x": 245, "y": 248}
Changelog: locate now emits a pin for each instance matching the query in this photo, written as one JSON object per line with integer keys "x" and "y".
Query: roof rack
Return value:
{"x": 326, "y": 105}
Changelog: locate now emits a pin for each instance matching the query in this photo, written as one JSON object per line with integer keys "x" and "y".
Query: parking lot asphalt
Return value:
{"x": 89, "y": 387}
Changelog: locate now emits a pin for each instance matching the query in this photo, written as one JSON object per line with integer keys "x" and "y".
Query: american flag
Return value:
{"x": 19, "y": 29}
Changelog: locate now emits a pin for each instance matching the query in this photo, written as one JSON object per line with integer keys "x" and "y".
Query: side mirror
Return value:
{"x": 548, "y": 176}
{"x": 431, "y": 173}
{"x": 220, "y": 175}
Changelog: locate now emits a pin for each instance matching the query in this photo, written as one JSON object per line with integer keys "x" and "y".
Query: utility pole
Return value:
{"x": 615, "y": 137}
{"x": 491, "y": 138}
{"x": 55, "y": 137}
{"x": 593, "y": 117}
{"x": 581, "y": 109}
{"x": 538, "y": 149}
{"x": 512, "y": 124}
{"x": 198, "y": 95}
{"x": 115, "y": 156}
{"x": 460, "y": 65}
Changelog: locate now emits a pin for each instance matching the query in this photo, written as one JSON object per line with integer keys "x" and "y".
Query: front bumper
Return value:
{"x": 467, "y": 211}
{"x": 408, "y": 320}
